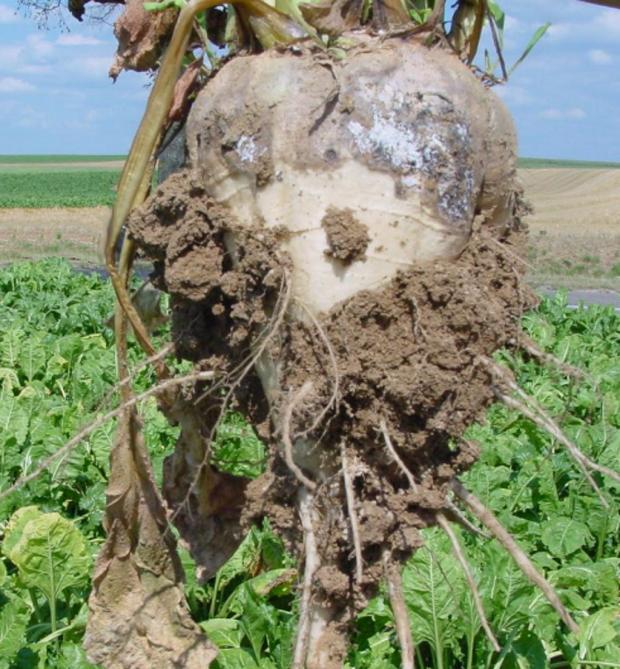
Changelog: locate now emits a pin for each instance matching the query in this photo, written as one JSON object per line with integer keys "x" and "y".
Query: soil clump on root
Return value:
{"x": 390, "y": 370}
{"x": 347, "y": 238}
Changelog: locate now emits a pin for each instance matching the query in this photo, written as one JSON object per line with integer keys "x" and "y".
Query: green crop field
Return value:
{"x": 36, "y": 159}
{"x": 529, "y": 163}
{"x": 57, "y": 368}
{"x": 57, "y": 188}
{"x": 41, "y": 181}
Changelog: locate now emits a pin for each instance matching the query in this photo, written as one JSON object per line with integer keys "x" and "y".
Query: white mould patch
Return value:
{"x": 418, "y": 150}
{"x": 393, "y": 140}
{"x": 410, "y": 181}
{"x": 247, "y": 149}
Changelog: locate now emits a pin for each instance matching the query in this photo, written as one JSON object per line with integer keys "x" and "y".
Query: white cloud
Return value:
{"x": 599, "y": 57}
{"x": 34, "y": 69}
{"x": 9, "y": 56}
{"x": 604, "y": 26}
{"x": 514, "y": 95}
{"x": 513, "y": 25}
{"x": 73, "y": 39}
{"x": 14, "y": 61}
{"x": 33, "y": 118}
{"x": 8, "y": 15}
{"x": 38, "y": 46}
{"x": 607, "y": 22}
{"x": 86, "y": 119}
{"x": 95, "y": 66}
{"x": 571, "y": 114}
{"x": 562, "y": 30}
{"x": 14, "y": 85}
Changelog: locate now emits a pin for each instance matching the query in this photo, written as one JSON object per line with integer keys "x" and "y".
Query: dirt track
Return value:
{"x": 575, "y": 229}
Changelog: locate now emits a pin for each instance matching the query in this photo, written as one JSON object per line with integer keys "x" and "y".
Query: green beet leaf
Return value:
{"x": 526, "y": 652}
{"x": 564, "y": 536}
{"x": 13, "y": 419}
{"x": 599, "y": 630}
{"x": 73, "y": 657}
{"x": 15, "y": 526}
{"x": 32, "y": 356}
{"x": 237, "y": 450}
{"x": 49, "y": 552}
{"x": 433, "y": 585}
{"x": 14, "y": 618}
{"x": 223, "y": 632}
{"x": 236, "y": 658}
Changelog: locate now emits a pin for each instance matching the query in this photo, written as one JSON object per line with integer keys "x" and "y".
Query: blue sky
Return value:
{"x": 56, "y": 97}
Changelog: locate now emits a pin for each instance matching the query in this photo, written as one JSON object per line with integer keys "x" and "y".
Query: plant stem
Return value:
{"x": 600, "y": 541}
{"x": 216, "y": 587}
{"x": 35, "y": 605}
{"x": 418, "y": 653}
{"x": 470, "y": 651}
{"x": 52, "y": 599}
{"x": 53, "y": 623}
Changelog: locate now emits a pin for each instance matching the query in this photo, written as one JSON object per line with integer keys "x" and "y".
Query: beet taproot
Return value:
{"x": 350, "y": 227}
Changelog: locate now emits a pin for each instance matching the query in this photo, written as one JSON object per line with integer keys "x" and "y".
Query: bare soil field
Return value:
{"x": 575, "y": 227}
{"x": 574, "y": 243}
{"x": 75, "y": 234}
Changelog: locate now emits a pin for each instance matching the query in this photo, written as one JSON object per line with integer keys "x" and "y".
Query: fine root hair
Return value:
{"x": 543, "y": 357}
{"x": 334, "y": 364}
{"x": 355, "y": 528}
{"x": 234, "y": 380}
{"x": 287, "y": 442}
{"x": 456, "y": 515}
{"x": 486, "y": 517}
{"x": 530, "y": 408}
{"x": 394, "y": 454}
{"x": 312, "y": 563}
{"x": 459, "y": 553}
{"x": 399, "y": 609}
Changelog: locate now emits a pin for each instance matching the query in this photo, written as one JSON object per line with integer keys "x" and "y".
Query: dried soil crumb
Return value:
{"x": 347, "y": 237}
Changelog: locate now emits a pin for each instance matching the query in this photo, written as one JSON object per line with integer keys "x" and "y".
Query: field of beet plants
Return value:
{"x": 57, "y": 375}
{"x": 36, "y": 182}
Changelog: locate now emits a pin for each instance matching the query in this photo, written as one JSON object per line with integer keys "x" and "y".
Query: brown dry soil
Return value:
{"x": 74, "y": 234}
{"x": 405, "y": 356}
{"x": 347, "y": 238}
{"x": 574, "y": 229}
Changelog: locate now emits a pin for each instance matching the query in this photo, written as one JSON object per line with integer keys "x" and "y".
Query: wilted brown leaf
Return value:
{"x": 141, "y": 37}
{"x": 183, "y": 89}
{"x": 138, "y": 616}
